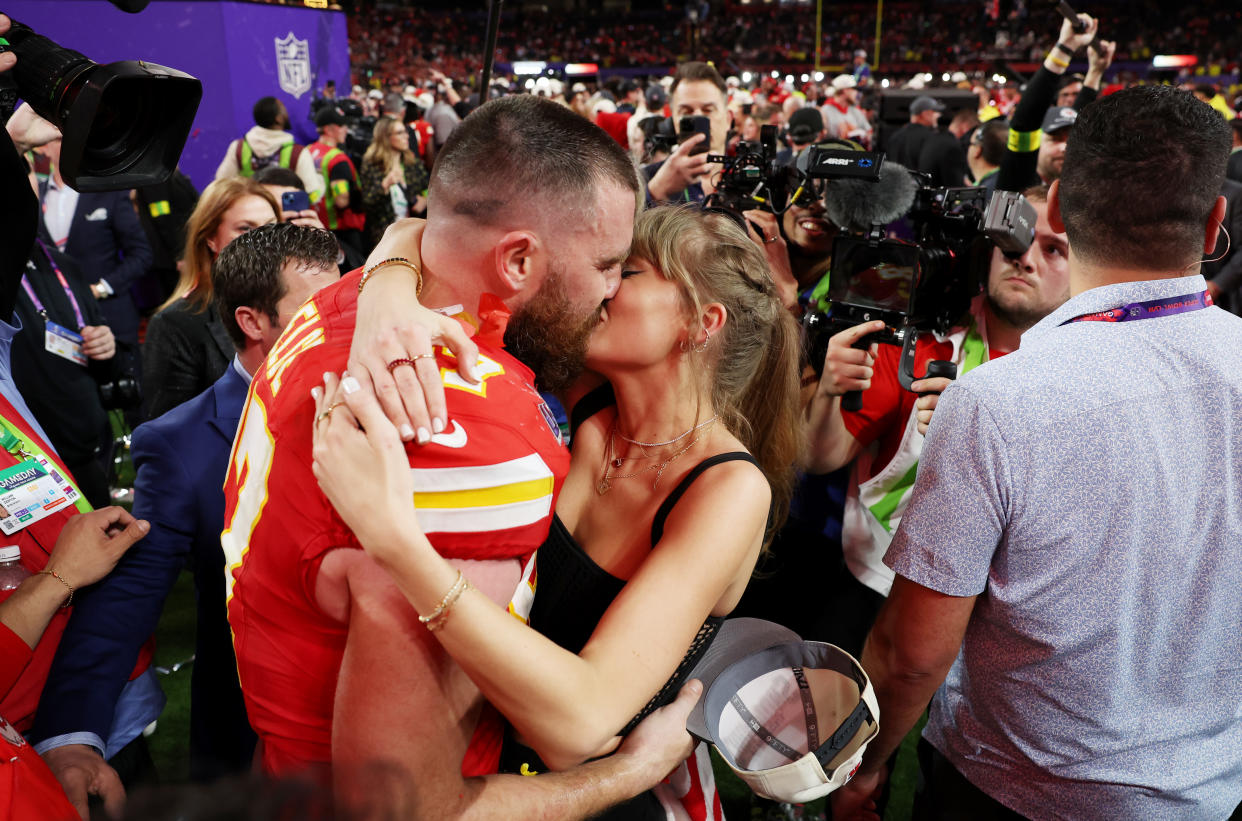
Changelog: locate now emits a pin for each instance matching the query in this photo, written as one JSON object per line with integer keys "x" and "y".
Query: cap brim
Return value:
{"x": 736, "y": 639}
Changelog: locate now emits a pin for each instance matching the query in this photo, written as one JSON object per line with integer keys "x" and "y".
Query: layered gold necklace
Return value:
{"x": 613, "y": 461}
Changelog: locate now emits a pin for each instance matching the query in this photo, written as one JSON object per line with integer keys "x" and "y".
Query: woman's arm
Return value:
{"x": 567, "y": 707}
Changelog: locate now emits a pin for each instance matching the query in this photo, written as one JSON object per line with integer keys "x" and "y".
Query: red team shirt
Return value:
{"x": 484, "y": 489}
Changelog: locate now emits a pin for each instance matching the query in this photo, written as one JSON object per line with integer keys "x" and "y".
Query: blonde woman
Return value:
{"x": 186, "y": 348}
{"x": 679, "y": 475}
{"x": 392, "y": 178}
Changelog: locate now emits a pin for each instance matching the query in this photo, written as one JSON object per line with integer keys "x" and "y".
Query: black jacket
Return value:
{"x": 185, "y": 352}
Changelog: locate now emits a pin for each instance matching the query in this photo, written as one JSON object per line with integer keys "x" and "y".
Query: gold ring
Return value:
{"x": 766, "y": 240}
{"x": 328, "y": 412}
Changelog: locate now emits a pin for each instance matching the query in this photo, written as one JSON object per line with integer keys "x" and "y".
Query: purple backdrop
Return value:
{"x": 229, "y": 46}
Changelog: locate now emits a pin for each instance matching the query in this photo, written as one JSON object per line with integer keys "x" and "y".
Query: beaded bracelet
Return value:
{"x": 440, "y": 615}
{"x": 60, "y": 579}
{"x": 366, "y": 275}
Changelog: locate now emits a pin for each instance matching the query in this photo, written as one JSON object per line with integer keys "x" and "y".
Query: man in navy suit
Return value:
{"x": 260, "y": 281}
{"x": 101, "y": 232}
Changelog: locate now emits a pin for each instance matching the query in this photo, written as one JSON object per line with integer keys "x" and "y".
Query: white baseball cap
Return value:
{"x": 844, "y": 81}
{"x": 791, "y": 718}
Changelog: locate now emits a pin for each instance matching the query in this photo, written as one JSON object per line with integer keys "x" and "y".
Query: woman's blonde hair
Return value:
{"x": 380, "y": 153}
{"x": 752, "y": 364}
{"x": 195, "y": 281}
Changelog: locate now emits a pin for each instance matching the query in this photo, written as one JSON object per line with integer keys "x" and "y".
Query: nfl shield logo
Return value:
{"x": 293, "y": 59}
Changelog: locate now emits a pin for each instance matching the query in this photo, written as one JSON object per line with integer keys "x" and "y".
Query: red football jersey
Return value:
{"x": 484, "y": 489}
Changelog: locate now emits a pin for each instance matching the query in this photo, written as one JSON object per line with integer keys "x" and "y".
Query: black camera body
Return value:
{"x": 921, "y": 286}
{"x": 752, "y": 179}
{"x": 124, "y": 124}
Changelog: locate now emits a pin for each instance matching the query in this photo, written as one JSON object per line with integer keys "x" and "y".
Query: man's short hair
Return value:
{"x": 695, "y": 72}
{"x": 247, "y": 271}
{"x": 283, "y": 177}
{"x": 266, "y": 112}
{"x": 394, "y": 104}
{"x": 524, "y": 152}
{"x": 1159, "y": 151}
{"x": 992, "y": 139}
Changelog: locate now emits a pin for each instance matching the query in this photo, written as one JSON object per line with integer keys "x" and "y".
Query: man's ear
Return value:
{"x": 1054, "y": 208}
{"x": 518, "y": 257}
{"x": 252, "y": 322}
{"x": 1215, "y": 224}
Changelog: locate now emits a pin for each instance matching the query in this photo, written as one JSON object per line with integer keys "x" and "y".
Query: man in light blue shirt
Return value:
{"x": 1071, "y": 558}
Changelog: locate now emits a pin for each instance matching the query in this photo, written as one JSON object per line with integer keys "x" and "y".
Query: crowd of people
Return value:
{"x": 583, "y": 366}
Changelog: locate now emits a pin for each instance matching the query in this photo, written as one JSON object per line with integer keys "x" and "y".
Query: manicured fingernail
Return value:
{"x": 423, "y": 436}
{"x": 437, "y": 425}
{"x": 350, "y": 385}
{"x": 327, "y": 374}
{"x": 316, "y": 393}
{"x": 406, "y": 432}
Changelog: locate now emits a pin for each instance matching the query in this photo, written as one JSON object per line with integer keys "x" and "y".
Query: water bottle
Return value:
{"x": 12, "y": 574}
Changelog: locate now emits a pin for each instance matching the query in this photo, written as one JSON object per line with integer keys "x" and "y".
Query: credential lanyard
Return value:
{"x": 1149, "y": 310}
{"x": 77, "y": 311}
{"x": 22, "y": 447}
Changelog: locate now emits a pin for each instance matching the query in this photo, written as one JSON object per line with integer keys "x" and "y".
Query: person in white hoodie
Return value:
{"x": 268, "y": 143}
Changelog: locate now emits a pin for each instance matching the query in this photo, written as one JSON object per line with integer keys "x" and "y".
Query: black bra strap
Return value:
{"x": 589, "y": 405}
{"x": 657, "y": 524}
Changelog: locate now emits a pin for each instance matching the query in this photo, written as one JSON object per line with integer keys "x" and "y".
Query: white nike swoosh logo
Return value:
{"x": 454, "y": 437}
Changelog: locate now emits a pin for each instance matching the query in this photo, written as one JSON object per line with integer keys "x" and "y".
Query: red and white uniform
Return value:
{"x": 484, "y": 489}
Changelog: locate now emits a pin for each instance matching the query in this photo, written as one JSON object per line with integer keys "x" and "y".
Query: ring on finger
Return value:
{"x": 408, "y": 360}
{"x": 328, "y": 412}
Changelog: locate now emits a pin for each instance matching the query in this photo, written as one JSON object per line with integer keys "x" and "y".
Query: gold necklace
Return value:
{"x": 612, "y": 460}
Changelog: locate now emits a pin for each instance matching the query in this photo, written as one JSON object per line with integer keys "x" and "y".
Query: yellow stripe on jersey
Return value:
{"x": 517, "y": 492}
{"x": 478, "y": 498}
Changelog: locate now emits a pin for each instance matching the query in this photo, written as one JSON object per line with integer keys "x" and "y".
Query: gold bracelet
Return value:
{"x": 60, "y": 579}
{"x": 440, "y": 615}
{"x": 367, "y": 274}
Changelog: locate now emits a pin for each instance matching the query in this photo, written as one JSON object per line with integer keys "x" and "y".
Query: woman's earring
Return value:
{"x": 703, "y": 346}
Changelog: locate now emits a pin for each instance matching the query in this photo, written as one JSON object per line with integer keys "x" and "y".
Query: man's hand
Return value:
{"x": 308, "y": 219}
{"x": 90, "y": 545}
{"x": 859, "y": 798}
{"x": 1099, "y": 58}
{"x": 82, "y": 772}
{"x": 764, "y": 229}
{"x": 27, "y": 129}
{"x": 392, "y": 325}
{"x": 660, "y": 741}
{"x": 98, "y": 343}
{"x": 8, "y": 59}
{"x": 1074, "y": 40}
{"x": 926, "y": 405}
{"x": 847, "y": 368}
{"x": 680, "y": 169}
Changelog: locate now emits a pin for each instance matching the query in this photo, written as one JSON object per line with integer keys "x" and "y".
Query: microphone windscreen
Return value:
{"x": 857, "y": 205}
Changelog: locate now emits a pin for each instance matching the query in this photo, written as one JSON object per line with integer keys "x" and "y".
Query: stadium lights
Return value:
{"x": 577, "y": 69}
{"x": 806, "y": 77}
{"x": 945, "y": 77}
{"x": 884, "y": 83}
{"x": 746, "y": 76}
{"x": 1174, "y": 61}
{"x": 819, "y": 76}
{"x": 530, "y": 83}
{"x": 529, "y": 67}
{"x": 789, "y": 78}
{"x": 775, "y": 74}
{"x": 999, "y": 78}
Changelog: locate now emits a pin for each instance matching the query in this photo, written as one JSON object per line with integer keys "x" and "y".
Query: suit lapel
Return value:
{"x": 230, "y": 395}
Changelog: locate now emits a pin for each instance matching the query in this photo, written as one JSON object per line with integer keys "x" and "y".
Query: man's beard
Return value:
{"x": 1023, "y": 315}
{"x": 550, "y": 337}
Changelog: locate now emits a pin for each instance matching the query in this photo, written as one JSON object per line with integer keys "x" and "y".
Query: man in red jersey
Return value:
{"x": 337, "y": 672}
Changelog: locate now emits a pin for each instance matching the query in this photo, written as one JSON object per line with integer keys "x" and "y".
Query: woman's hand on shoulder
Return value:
{"x": 392, "y": 353}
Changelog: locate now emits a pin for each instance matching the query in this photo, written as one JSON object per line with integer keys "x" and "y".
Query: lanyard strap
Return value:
{"x": 23, "y": 447}
{"x": 1148, "y": 310}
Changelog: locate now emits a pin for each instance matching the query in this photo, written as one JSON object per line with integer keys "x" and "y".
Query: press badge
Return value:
{"x": 30, "y": 491}
{"x": 64, "y": 343}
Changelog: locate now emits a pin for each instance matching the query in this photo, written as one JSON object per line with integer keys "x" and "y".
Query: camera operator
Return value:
{"x": 698, "y": 90}
{"x": 1018, "y": 294}
{"x": 798, "y": 245}
{"x": 1035, "y": 155}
